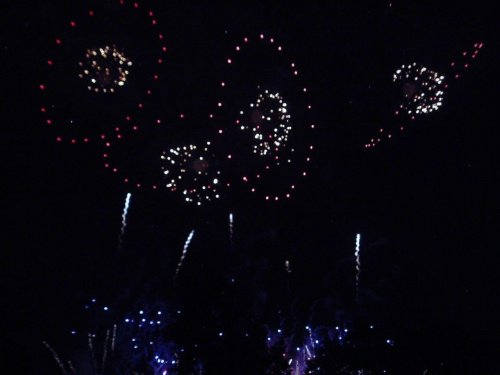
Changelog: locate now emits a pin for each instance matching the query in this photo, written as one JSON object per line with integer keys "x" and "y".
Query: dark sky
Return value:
{"x": 424, "y": 202}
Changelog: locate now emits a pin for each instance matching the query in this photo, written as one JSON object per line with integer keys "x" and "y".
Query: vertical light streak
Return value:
{"x": 358, "y": 263}
{"x": 231, "y": 228}
{"x": 184, "y": 252}
{"x": 124, "y": 220}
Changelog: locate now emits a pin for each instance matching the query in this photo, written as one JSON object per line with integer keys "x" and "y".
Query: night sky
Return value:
{"x": 425, "y": 201}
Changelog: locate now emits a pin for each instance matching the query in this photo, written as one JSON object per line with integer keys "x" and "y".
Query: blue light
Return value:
{"x": 105, "y": 308}
{"x": 178, "y": 311}
{"x": 93, "y": 300}
{"x": 127, "y": 320}
{"x": 279, "y": 330}
{"x": 371, "y": 327}
{"x": 298, "y": 348}
{"x": 173, "y": 362}
{"x": 159, "y": 312}
{"x": 73, "y": 332}
{"x": 141, "y": 312}
{"x": 317, "y": 341}
{"x": 337, "y": 328}
{"x": 307, "y": 327}
{"x": 220, "y": 334}
{"x": 268, "y": 339}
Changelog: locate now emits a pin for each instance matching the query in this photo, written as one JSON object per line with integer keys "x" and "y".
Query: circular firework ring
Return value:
{"x": 102, "y": 60}
{"x": 266, "y": 113}
{"x": 194, "y": 171}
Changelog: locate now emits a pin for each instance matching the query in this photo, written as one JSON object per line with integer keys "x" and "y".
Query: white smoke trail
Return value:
{"x": 114, "y": 339}
{"x": 184, "y": 251}
{"x": 56, "y": 357}
{"x": 91, "y": 348}
{"x": 358, "y": 264}
{"x": 124, "y": 220}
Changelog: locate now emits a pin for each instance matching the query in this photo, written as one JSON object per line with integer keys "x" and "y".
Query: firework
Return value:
{"x": 92, "y": 53}
{"x": 422, "y": 91}
{"x": 269, "y": 121}
{"x": 231, "y": 228}
{"x": 193, "y": 171}
{"x": 267, "y": 142}
{"x": 136, "y": 343}
{"x": 358, "y": 263}
{"x": 184, "y": 252}
{"x": 105, "y": 69}
{"x": 421, "y": 87}
{"x": 124, "y": 220}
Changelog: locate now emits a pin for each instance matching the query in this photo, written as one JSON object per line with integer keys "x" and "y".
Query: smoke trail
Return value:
{"x": 114, "y": 339}
{"x": 91, "y": 348}
{"x": 184, "y": 251}
{"x": 105, "y": 351}
{"x": 124, "y": 220}
{"x": 358, "y": 264}
{"x": 56, "y": 357}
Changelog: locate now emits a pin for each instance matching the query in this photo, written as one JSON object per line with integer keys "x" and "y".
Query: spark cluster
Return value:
{"x": 269, "y": 121}
{"x": 192, "y": 170}
{"x": 105, "y": 68}
{"x": 422, "y": 89}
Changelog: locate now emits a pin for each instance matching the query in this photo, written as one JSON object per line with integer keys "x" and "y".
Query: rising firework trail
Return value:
{"x": 358, "y": 264}
{"x": 184, "y": 252}
{"x": 124, "y": 220}
{"x": 231, "y": 229}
